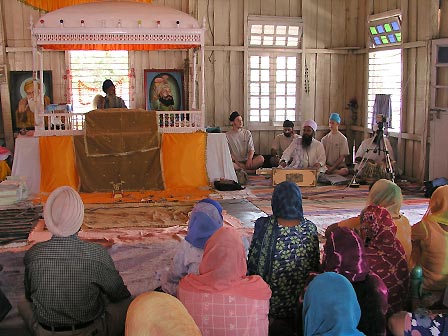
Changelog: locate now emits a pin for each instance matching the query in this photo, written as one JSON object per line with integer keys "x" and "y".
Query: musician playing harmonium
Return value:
{"x": 305, "y": 152}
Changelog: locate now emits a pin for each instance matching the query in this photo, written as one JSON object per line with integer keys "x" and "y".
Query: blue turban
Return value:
{"x": 286, "y": 201}
{"x": 335, "y": 117}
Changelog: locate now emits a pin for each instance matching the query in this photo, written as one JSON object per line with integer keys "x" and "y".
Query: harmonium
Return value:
{"x": 301, "y": 177}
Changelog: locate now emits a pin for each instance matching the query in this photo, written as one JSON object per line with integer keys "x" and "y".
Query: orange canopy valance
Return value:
{"x": 51, "y": 5}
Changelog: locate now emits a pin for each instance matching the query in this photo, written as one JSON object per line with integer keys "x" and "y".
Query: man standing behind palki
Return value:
{"x": 336, "y": 147}
{"x": 305, "y": 152}
{"x": 111, "y": 100}
{"x": 241, "y": 146}
{"x": 282, "y": 141}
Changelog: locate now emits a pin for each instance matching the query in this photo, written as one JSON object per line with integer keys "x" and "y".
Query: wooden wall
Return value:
{"x": 334, "y": 54}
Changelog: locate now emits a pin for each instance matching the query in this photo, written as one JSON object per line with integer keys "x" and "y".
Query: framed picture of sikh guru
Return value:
{"x": 164, "y": 89}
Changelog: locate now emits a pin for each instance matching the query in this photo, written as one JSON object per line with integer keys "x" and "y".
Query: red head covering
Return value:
{"x": 223, "y": 269}
{"x": 344, "y": 254}
{"x": 385, "y": 253}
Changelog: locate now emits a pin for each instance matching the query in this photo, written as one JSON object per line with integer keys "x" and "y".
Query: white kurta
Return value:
{"x": 305, "y": 158}
{"x": 370, "y": 150}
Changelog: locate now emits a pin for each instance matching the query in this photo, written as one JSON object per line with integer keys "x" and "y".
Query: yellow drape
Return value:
{"x": 4, "y": 170}
{"x": 51, "y": 5}
{"x": 184, "y": 160}
{"x": 57, "y": 163}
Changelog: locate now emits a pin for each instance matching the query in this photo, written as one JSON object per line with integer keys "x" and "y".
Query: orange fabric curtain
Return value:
{"x": 57, "y": 163}
{"x": 118, "y": 46}
{"x": 184, "y": 160}
{"x": 51, "y": 5}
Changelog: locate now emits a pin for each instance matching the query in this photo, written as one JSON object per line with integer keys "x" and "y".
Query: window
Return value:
{"x": 274, "y": 69}
{"x": 88, "y": 70}
{"x": 385, "y": 78}
{"x": 385, "y": 32}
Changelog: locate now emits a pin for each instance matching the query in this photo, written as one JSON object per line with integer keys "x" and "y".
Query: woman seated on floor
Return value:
{"x": 421, "y": 322}
{"x": 430, "y": 246}
{"x": 386, "y": 255}
{"x": 344, "y": 253}
{"x": 221, "y": 298}
{"x": 388, "y": 195}
{"x": 283, "y": 251}
{"x": 159, "y": 314}
{"x": 330, "y": 307}
{"x": 205, "y": 219}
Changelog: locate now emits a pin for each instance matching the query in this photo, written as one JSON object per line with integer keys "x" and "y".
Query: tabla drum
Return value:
{"x": 372, "y": 172}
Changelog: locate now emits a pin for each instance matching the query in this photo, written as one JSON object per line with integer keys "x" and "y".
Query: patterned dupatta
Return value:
{"x": 286, "y": 203}
{"x": 385, "y": 254}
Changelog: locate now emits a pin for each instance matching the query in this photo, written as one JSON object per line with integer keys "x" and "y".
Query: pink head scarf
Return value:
{"x": 223, "y": 269}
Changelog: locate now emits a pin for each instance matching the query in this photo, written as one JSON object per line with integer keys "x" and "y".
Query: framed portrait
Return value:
{"x": 164, "y": 89}
{"x": 21, "y": 91}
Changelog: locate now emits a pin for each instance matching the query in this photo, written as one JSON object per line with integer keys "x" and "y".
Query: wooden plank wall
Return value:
{"x": 334, "y": 54}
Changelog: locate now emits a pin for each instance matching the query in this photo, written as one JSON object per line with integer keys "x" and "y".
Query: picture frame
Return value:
{"x": 17, "y": 81}
{"x": 164, "y": 89}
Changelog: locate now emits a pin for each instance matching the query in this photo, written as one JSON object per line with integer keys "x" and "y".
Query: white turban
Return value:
{"x": 310, "y": 123}
{"x": 64, "y": 212}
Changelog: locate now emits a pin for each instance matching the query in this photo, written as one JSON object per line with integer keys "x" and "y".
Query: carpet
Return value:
{"x": 128, "y": 215}
{"x": 328, "y": 204}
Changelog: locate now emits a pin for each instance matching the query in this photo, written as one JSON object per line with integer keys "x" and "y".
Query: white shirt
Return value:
{"x": 305, "y": 158}
{"x": 335, "y": 145}
{"x": 240, "y": 143}
{"x": 281, "y": 142}
{"x": 370, "y": 151}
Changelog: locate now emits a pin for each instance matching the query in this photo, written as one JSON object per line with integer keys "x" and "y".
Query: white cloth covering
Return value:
{"x": 27, "y": 162}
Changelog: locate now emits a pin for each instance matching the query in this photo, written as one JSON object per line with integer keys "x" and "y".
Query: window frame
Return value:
{"x": 124, "y": 79}
{"x": 273, "y": 52}
{"x": 391, "y": 47}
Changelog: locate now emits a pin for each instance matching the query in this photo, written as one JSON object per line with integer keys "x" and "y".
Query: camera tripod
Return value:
{"x": 377, "y": 147}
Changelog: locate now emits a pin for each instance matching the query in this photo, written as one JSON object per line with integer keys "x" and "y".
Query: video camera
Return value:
{"x": 380, "y": 120}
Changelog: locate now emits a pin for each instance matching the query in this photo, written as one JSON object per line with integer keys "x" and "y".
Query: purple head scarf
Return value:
{"x": 214, "y": 203}
{"x": 205, "y": 220}
{"x": 286, "y": 201}
{"x": 344, "y": 254}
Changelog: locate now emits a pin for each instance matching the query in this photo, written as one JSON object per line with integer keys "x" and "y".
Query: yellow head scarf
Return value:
{"x": 438, "y": 206}
{"x": 160, "y": 314}
{"x": 386, "y": 194}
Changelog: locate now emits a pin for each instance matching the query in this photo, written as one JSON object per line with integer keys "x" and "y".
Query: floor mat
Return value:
{"x": 157, "y": 215}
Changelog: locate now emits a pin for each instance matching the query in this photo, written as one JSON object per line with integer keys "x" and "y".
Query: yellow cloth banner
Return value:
{"x": 4, "y": 170}
{"x": 184, "y": 160}
{"x": 57, "y": 163}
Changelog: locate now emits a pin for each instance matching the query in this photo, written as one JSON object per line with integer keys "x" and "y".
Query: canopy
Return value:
{"x": 117, "y": 25}
{"x": 113, "y": 25}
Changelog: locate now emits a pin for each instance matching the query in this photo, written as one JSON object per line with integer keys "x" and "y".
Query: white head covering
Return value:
{"x": 64, "y": 212}
{"x": 310, "y": 123}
